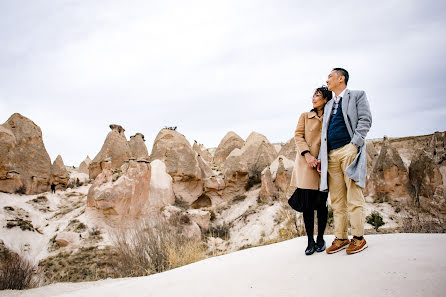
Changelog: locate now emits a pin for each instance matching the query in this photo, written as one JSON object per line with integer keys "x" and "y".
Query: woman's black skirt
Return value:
{"x": 305, "y": 199}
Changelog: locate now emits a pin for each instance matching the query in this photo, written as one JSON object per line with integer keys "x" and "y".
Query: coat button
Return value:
{"x": 309, "y": 145}
{"x": 311, "y": 129}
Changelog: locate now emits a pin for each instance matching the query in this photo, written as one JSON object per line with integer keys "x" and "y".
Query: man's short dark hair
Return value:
{"x": 343, "y": 72}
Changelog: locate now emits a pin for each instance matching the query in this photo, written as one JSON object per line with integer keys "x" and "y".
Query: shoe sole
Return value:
{"x": 357, "y": 251}
{"x": 338, "y": 250}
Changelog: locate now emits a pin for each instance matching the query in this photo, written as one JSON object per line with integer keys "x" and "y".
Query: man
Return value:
{"x": 343, "y": 160}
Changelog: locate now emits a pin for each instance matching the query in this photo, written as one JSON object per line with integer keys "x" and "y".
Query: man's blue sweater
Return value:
{"x": 337, "y": 134}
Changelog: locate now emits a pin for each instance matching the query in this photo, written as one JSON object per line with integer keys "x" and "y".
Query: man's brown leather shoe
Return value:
{"x": 337, "y": 245}
{"x": 356, "y": 246}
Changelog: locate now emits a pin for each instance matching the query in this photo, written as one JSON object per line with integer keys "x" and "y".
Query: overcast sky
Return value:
{"x": 209, "y": 67}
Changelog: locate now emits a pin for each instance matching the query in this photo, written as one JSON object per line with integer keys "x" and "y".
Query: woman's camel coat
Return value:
{"x": 307, "y": 138}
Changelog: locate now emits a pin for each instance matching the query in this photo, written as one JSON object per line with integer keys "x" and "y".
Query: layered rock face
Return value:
{"x": 230, "y": 142}
{"x": 161, "y": 187}
{"x": 124, "y": 193}
{"x": 427, "y": 175}
{"x": 138, "y": 147}
{"x": 25, "y": 165}
{"x": 182, "y": 163}
{"x": 83, "y": 167}
{"x": 389, "y": 176}
{"x": 115, "y": 147}
{"x": 59, "y": 174}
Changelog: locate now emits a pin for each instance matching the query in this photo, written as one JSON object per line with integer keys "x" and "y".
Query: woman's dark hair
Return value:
{"x": 326, "y": 94}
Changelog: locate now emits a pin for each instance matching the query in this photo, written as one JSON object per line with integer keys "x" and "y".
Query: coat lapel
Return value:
{"x": 345, "y": 101}
{"x": 327, "y": 110}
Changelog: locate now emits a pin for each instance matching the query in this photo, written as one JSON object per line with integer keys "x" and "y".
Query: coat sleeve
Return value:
{"x": 364, "y": 120}
{"x": 299, "y": 136}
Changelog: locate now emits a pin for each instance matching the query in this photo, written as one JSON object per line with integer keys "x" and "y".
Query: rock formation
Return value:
{"x": 124, "y": 193}
{"x": 288, "y": 150}
{"x": 182, "y": 164}
{"x": 230, "y": 142}
{"x": 389, "y": 177}
{"x": 25, "y": 165}
{"x": 138, "y": 147}
{"x": 427, "y": 175}
{"x": 59, "y": 174}
{"x": 161, "y": 187}
{"x": 83, "y": 167}
{"x": 268, "y": 189}
{"x": 202, "y": 151}
{"x": 115, "y": 147}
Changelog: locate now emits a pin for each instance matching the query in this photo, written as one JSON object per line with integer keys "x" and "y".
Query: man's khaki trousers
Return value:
{"x": 344, "y": 193}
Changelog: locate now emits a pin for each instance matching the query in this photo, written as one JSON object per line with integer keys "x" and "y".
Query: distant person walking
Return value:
{"x": 307, "y": 198}
{"x": 53, "y": 188}
{"x": 343, "y": 160}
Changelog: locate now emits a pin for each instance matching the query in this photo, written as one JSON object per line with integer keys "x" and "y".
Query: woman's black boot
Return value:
{"x": 311, "y": 248}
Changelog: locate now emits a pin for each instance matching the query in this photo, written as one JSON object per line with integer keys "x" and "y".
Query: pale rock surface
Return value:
{"x": 201, "y": 218}
{"x": 229, "y": 142}
{"x": 24, "y": 160}
{"x": 288, "y": 150}
{"x": 182, "y": 164}
{"x": 182, "y": 222}
{"x": 59, "y": 174}
{"x": 202, "y": 151}
{"x": 258, "y": 152}
{"x": 115, "y": 147}
{"x": 138, "y": 147}
{"x": 161, "y": 187}
{"x": 123, "y": 194}
{"x": 83, "y": 167}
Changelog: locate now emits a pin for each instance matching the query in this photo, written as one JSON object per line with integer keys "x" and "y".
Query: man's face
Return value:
{"x": 334, "y": 80}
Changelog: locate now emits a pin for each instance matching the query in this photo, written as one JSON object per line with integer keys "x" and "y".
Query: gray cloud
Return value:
{"x": 75, "y": 67}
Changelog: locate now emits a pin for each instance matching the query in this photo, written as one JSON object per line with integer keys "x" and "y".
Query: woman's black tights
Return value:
{"x": 322, "y": 216}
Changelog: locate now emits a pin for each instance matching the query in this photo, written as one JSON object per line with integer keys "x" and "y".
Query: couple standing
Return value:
{"x": 331, "y": 156}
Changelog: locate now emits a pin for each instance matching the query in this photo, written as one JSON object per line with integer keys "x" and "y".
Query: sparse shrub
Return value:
{"x": 380, "y": 199}
{"x": 181, "y": 204}
{"x": 221, "y": 230}
{"x": 375, "y": 219}
{"x": 151, "y": 247}
{"x": 422, "y": 223}
{"x": 254, "y": 176}
{"x": 239, "y": 198}
{"x": 21, "y": 190}
{"x": 94, "y": 232}
{"x": 16, "y": 272}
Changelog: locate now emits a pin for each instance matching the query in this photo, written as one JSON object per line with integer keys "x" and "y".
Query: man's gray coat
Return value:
{"x": 358, "y": 119}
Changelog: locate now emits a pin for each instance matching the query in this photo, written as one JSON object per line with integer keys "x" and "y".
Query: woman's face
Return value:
{"x": 318, "y": 101}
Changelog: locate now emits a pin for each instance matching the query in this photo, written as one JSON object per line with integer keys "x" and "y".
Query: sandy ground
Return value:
{"x": 393, "y": 265}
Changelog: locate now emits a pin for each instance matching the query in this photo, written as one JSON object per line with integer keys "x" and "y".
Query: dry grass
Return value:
{"x": 16, "y": 272}
{"x": 152, "y": 247}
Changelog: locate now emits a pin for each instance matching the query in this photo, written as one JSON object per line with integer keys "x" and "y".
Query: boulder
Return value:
{"x": 115, "y": 147}
{"x": 124, "y": 193}
{"x": 138, "y": 147}
{"x": 230, "y": 142}
{"x": 389, "y": 177}
{"x": 282, "y": 178}
{"x": 201, "y": 218}
{"x": 184, "y": 223}
{"x": 182, "y": 163}
{"x": 83, "y": 167}
{"x": 59, "y": 174}
{"x": 25, "y": 165}
{"x": 67, "y": 238}
{"x": 202, "y": 151}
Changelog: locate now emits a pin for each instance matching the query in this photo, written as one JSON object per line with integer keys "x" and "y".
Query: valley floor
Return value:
{"x": 393, "y": 265}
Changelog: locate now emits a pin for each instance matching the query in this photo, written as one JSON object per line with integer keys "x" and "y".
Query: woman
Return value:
{"x": 307, "y": 198}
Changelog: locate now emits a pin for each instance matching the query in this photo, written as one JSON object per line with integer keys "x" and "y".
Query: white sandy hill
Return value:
{"x": 393, "y": 265}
